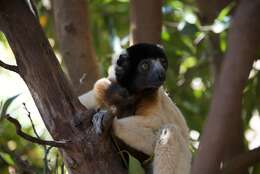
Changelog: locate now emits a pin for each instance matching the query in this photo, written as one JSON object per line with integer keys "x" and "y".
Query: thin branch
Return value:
{"x": 46, "y": 149}
{"x": 62, "y": 168}
{"x": 242, "y": 161}
{"x": 46, "y": 162}
{"x": 61, "y": 144}
{"x": 29, "y": 116}
{"x": 209, "y": 10}
{"x": 9, "y": 67}
{"x": 56, "y": 167}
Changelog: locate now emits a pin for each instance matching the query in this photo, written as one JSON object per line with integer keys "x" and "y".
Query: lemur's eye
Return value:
{"x": 145, "y": 66}
{"x": 163, "y": 62}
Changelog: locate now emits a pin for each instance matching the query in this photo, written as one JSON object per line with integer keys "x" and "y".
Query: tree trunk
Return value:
{"x": 86, "y": 152}
{"x": 145, "y": 21}
{"x": 224, "y": 124}
{"x": 75, "y": 42}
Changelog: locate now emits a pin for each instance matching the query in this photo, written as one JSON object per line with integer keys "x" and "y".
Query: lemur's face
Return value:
{"x": 142, "y": 67}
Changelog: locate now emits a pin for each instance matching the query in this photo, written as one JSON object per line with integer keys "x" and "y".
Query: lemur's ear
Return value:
{"x": 122, "y": 66}
{"x": 160, "y": 46}
{"x": 123, "y": 59}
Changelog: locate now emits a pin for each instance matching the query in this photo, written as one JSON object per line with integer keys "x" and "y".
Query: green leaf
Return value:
{"x": 225, "y": 11}
{"x": 135, "y": 166}
{"x": 3, "y": 39}
{"x": 189, "y": 62}
{"x": 6, "y": 104}
{"x": 256, "y": 169}
{"x": 7, "y": 158}
{"x": 165, "y": 35}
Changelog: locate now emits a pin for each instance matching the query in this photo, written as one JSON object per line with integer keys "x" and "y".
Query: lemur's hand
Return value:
{"x": 120, "y": 102}
{"x": 116, "y": 94}
{"x": 102, "y": 122}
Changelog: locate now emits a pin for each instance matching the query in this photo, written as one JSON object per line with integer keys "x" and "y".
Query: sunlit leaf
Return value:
{"x": 165, "y": 35}
{"x": 225, "y": 11}
{"x": 123, "y": 0}
{"x": 177, "y": 5}
{"x": 135, "y": 166}
{"x": 43, "y": 20}
{"x": 223, "y": 41}
{"x": 7, "y": 158}
{"x": 187, "y": 63}
{"x": 3, "y": 39}
{"x": 6, "y": 104}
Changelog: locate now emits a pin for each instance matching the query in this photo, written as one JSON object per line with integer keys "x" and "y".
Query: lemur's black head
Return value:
{"x": 142, "y": 67}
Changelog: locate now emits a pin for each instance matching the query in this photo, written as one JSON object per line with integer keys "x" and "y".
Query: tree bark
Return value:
{"x": 87, "y": 152}
{"x": 145, "y": 21}
{"x": 217, "y": 56}
{"x": 75, "y": 42}
{"x": 242, "y": 161}
{"x": 224, "y": 124}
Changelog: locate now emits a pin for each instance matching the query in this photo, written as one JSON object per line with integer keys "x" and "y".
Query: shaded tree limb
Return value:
{"x": 18, "y": 127}
{"x": 242, "y": 161}
{"x": 58, "y": 105}
{"x": 9, "y": 67}
{"x": 75, "y": 42}
{"x": 45, "y": 159}
{"x": 145, "y": 21}
{"x": 217, "y": 56}
{"x": 224, "y": 123}
{"x": 210, "y": 9}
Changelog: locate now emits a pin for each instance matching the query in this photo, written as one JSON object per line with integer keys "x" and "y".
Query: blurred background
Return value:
{"x": 194, "y": 39}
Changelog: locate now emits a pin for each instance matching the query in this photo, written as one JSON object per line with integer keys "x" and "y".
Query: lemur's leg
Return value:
{"x": 137, "y": 131}
{"x": 172, "y": 154}
{"x": 88, "y": 100}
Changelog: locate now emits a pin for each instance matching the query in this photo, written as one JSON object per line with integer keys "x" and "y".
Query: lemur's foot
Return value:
{"x": 84, "y": 118}
{"x": 102, "y": 122}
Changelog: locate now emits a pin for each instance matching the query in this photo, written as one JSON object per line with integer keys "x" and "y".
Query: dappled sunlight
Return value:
{"x": 253, "y": 134}
{"x": 194, "y": 136}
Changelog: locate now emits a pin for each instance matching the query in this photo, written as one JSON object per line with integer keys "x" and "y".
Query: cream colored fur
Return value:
{"x": 158, "y": 128}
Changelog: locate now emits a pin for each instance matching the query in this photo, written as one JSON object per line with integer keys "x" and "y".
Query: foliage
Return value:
{"x": 134, "y": 166}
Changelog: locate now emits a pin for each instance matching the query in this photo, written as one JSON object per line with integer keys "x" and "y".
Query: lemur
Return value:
{"x": 146, "y": 118}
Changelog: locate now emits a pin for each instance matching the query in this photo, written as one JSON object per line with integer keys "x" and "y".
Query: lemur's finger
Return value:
{"x": 97, "y": 122}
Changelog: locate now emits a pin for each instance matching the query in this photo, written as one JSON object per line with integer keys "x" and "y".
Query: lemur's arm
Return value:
{"x": 136, "y": 131}
{"x": 171, "y": 154}
{"x": 170, "y": 148}
{"x": 109, "y": 94}
{"x": 89, "y": 100}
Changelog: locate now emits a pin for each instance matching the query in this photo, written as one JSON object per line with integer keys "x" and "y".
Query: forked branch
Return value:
{"x": 18, "y": 127}
{"x": 242, "y": 161}
{"x": 9, "y": 67}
